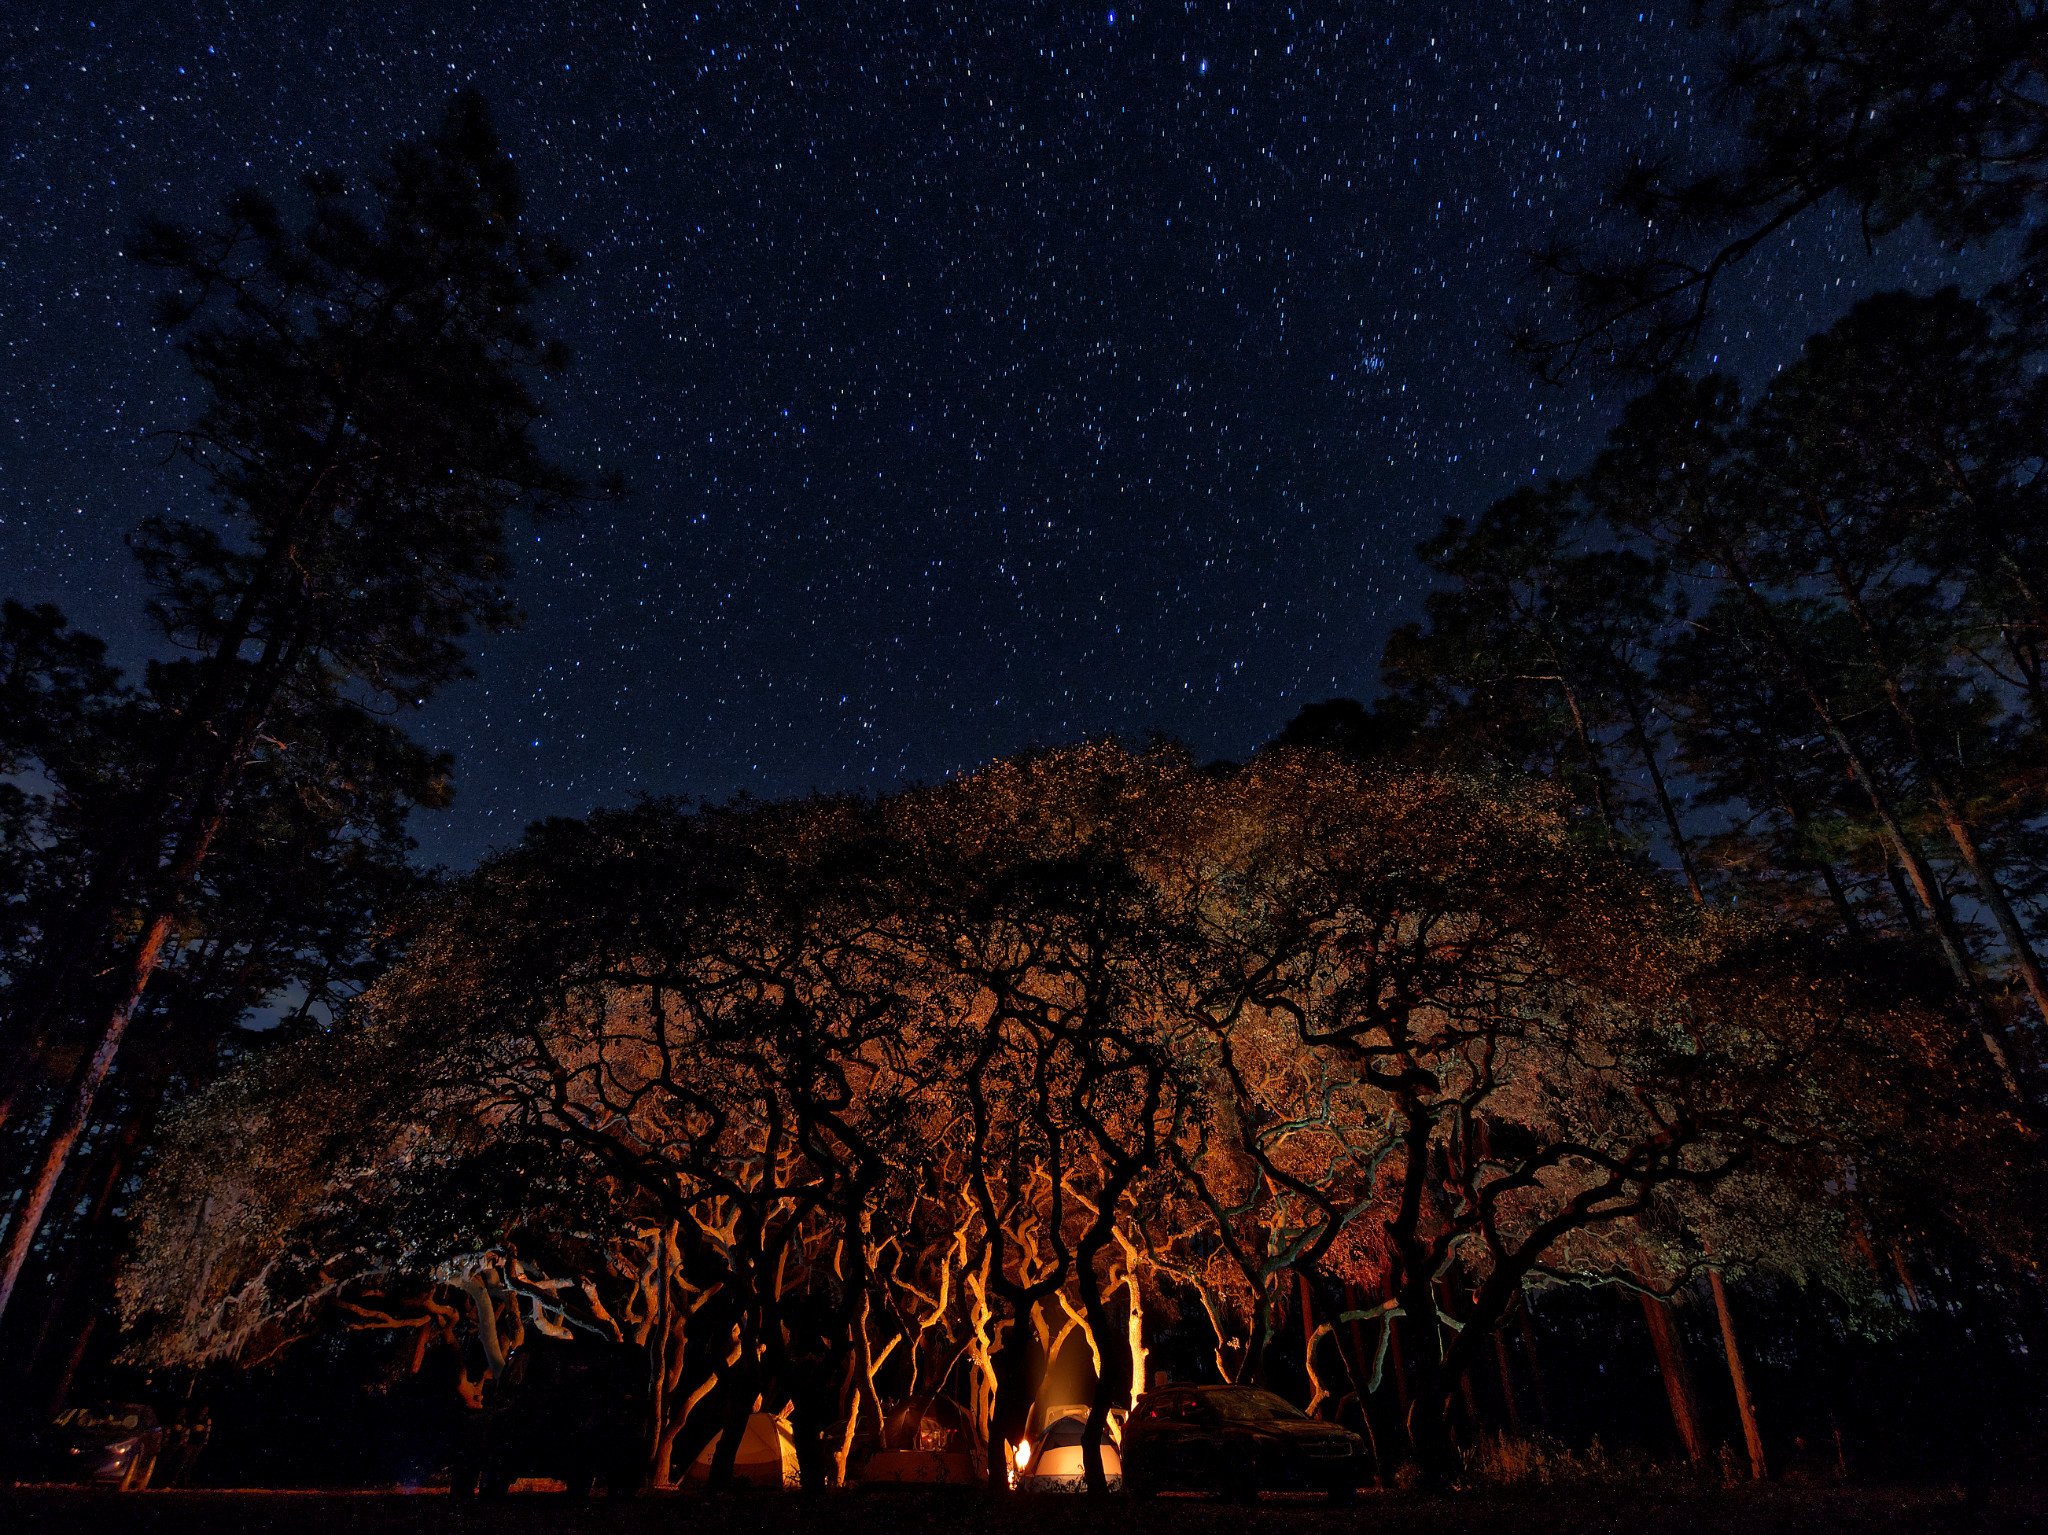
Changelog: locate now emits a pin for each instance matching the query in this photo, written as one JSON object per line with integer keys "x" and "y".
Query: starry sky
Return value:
{"x": 985, "y": 375}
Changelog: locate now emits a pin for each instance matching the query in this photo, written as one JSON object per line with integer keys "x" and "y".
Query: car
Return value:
{"x": 1050, "y": 1460}
{"x": 111, "y": 1445}
{"x": 1236, "y": 1442}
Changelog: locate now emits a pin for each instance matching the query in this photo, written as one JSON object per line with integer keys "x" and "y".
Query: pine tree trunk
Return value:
{"x": 1781, "y": 786}
{"x": 1990, "y": 889}
{"x": 92, "y": 921}
{"x": 1645, "y": 748}
{"x": 77, "y": 1113}
{"x": 209, "y": 814}
{"x": 2026, "y": 655}
{"x": 85, "y": 1273}
{"x": 1685, "y": 1407}
{"x": 1909, "y": 909}
{"x": 1851, "y": 923}
{"x": 1914, "y": 862}
{"x": 1596, "y": 764}
{"x": 1738, "y": 1377}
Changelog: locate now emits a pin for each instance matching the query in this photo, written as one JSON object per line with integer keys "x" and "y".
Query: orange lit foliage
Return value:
{"x": 830, "y": 1101}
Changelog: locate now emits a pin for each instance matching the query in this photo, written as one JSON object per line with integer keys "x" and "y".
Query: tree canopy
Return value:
{"x": 1078, "y": 1042}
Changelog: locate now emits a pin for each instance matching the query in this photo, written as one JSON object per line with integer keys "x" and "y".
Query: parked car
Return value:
{"x": 1236, "y": 1442}
{"x": 1050, "y": 1459}
{"x": 112, "y": 1445}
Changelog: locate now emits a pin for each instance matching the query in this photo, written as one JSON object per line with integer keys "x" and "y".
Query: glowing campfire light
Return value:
{"x": 1023, "y": 1453}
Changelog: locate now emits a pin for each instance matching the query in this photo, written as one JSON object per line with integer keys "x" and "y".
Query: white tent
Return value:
{"x": 766, "y": 1458}
{"x": 1054, "y": 1461}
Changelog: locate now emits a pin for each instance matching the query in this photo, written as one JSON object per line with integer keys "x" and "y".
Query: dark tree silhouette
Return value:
{"x": 367, "y": 433}
{"x": 1932, "y": 112}
{"x": 1792, "y": 642}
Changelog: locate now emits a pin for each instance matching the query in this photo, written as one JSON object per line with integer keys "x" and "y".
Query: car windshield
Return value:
{"x": 100, "y": 1419}
{"x": 1242, "y": 1405}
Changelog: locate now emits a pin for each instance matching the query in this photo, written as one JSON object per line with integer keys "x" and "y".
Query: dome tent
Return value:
{"x": 1053, "y": 1461}
{"x": 766, "y": 1457}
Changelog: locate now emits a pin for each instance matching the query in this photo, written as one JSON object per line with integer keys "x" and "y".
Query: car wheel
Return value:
{"x": 138, "y": 1475}
{"x": 1343, "y": 1492}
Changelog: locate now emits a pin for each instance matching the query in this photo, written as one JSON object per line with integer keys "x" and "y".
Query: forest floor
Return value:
{"x": 1603, "y": 1510}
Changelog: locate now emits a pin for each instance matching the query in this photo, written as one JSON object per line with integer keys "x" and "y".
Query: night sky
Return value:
{"x": 979, "y": 382}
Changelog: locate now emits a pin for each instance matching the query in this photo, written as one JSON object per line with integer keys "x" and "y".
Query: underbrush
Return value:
{"x": 1501, "y": 1460}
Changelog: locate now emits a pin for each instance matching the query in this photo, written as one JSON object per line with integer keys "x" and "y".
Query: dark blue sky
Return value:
{"x": 980, "y": 382}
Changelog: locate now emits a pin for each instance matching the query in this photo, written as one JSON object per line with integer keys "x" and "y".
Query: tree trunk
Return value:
{"x": 209, "y": 814}
{"x": 1402, "y": 1396}
{"x": 1678, "y": 1390}
{"x": 1535, "y": 1364}
{"x": 1780, "y": 780}
{"x": 1109, "y": 1345}
{"x": 677, "y": 1430}
{"x": 1914, "y": 862}
{"x": 1909, "y": 909}
{"x": 1429, "y": 1433}
{"x": 658, "y": 1364}
{"x": 77, "y": 1115}
{"x": 84, "y": 1275}
{"x": 1134, "y": 1323}
{"x": 208, "y": 709}
{"x": 2026, "y": 655}
{"x": 732, "y": 1428}
{"x": 1436, "y": 1386}
{"x": 1738, "y": 1377}
{"x": 848, "y": 1421}
{"x": 1852, "y": 925}
{"x": 1596, "y": 762}
{"x": 864, "y": 1360}
{"x": 1639, "y": 727}
{"x": 1010, "y": 1417}
{"x": 1507, "y": 1383}
{"x": 1990, "y": 889}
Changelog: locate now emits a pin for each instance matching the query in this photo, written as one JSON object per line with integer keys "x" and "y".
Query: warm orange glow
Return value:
{"x": 1023, "y": 1453}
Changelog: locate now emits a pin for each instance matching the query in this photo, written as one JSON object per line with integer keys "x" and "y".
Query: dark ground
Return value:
{"x": 1668, "y": 1510}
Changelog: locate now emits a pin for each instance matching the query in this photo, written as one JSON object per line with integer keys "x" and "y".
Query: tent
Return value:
{"x": 926, "y": 1441}
{"x": 766, "y": 1458}
{"x": 1053, "y": 1462}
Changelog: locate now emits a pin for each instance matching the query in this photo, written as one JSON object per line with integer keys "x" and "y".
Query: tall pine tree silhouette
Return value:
{"x": 368, "y": 432}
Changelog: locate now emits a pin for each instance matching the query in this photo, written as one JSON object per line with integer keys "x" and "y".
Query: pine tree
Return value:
{"x": 1907, "y": 112}
{"x": 369, "y": 429}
